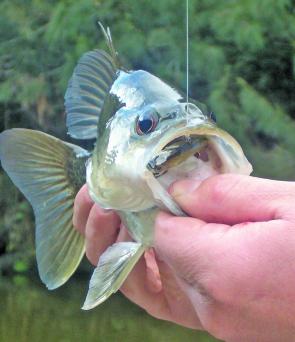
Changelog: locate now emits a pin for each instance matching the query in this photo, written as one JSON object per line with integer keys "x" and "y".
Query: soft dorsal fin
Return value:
{"x": 86, "y": 93}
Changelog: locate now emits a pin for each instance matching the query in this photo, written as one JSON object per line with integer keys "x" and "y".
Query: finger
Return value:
{"x": 193, "y": 250}
{"x": 135, "y": 287}
{"x": 82, "y": 206}
{"x": 151, "y": 271}
{"x": 101, "y": 231}
{"x": 158, "y": 303}
{"x": 153, "y": 278}
{"x": 187, "y": 245}
{"x": 232, "y": 199}
{"x": 218, "y": 262}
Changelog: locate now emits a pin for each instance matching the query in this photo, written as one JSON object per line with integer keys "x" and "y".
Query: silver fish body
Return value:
{"x": 147, "y": 137}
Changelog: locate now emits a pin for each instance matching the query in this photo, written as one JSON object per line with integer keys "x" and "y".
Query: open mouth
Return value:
{"x": 190, "y": 156}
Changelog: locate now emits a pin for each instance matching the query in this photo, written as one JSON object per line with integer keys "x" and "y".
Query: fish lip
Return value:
{"x": 189, "y": 144}
{"x": 183, "y": 130}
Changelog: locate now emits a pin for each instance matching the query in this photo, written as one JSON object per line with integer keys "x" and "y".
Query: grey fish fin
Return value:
{"x": 113, "y": 268}
{"x": 87, "y": 89}
{"x": 49, "y": 173}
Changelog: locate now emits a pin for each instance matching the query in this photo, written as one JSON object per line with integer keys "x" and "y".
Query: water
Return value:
{"x": 31, "y": 313}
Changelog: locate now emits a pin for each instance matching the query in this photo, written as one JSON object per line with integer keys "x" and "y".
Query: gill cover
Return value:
{"x": 49, "y": 173}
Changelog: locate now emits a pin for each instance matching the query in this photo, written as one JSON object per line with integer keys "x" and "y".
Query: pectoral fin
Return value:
{"x": 113, "y": 268}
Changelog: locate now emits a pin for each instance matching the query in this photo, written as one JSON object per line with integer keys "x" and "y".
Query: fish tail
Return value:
{"x": 49, "y": 172}
{"x": 113, "y": 267}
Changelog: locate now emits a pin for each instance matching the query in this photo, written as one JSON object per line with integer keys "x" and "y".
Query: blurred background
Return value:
{"x": 241, "y": 66}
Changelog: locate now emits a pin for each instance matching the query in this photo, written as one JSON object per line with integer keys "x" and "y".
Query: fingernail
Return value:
{"x": 105, "y": 211}
{"x": 183, "y": 187}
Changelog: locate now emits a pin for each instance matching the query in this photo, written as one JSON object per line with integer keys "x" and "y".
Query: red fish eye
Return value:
{"x": 146, "y": 123}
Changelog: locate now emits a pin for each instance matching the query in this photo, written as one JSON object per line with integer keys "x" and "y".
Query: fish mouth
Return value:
{"x": 195, "y": 153}
{"x": 187, "y": 156}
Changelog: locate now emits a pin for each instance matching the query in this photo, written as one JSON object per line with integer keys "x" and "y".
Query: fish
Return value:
{"x": 147, "y": 136}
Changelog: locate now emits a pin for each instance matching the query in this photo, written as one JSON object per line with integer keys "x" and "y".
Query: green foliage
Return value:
{"x": 34, "y": 314}
{"x": 242, "y": 65}
{"x": 20, "y": 266}
{"x": 16, "y": 230}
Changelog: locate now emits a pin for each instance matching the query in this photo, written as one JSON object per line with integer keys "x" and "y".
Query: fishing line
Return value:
{"x": 187, "y": 57}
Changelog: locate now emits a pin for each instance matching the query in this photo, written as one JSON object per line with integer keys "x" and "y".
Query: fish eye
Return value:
{"x": 146, "y": 123}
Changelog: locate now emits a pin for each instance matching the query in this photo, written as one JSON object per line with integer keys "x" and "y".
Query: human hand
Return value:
{"x": 233, "y": 267}
{"x": 151, "y": 284}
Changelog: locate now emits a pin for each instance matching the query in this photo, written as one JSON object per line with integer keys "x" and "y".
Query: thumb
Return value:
{"x": 231, "y": 198}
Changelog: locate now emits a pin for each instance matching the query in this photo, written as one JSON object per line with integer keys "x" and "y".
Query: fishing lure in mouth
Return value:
{"x": 147, "y": 137}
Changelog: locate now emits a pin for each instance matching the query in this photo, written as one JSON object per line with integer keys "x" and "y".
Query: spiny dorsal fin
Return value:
{"x": 88, "y": 88}
{"x": 86, "y": 93}
{"x": 108, "y": 37}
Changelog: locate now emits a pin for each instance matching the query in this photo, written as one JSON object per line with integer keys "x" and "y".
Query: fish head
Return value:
{"x": 190, "y": 145}
{"x": 155, "y": 139}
